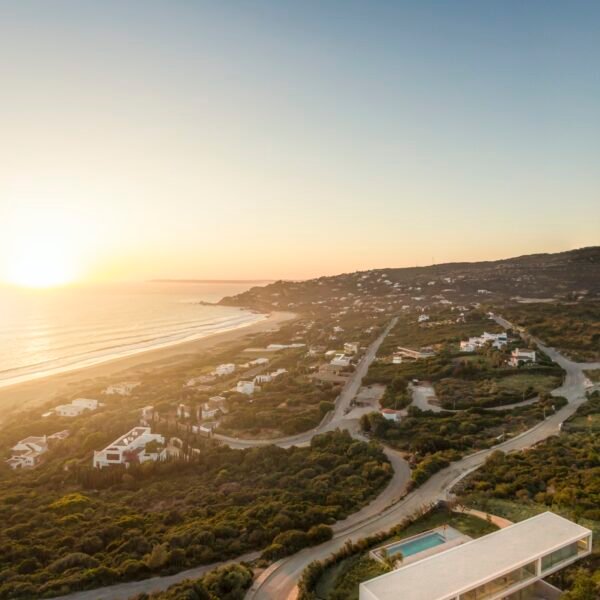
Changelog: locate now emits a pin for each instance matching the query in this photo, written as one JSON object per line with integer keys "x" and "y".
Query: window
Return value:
{"x": 564, "y": 554}
{"x": 504, "y": 582}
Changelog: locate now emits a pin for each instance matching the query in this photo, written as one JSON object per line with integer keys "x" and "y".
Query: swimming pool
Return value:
{"x": 416, "y": 545}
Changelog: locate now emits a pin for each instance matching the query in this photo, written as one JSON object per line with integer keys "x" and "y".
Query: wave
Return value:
{"x": 124, "y": 346}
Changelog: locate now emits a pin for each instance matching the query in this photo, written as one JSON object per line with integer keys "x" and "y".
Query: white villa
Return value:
{"x": 519, "y": 357}
{"x": 27, "y": 453}
{"x": 147, "y": 414}
{"x": 423, "y": 318}
{"x": 350, "y": 348}
{"x": 498, "y": 340}
{"x": 390, "y": 415}
{"x": 402, "y": 353}
{"x": 224, "y": 369}
{"x": 214, "y": 407}
{"x": 184, "y": 411}
{"x": 131, "y": 448}
{"x": 509, "y": 564}
{"x": 341, "y": 361}
{"x": 259, "y": 361}
{"x": 268, "y": 377}
{"x": 76, "y": 408}
{"x": 245, "y": 387}
{"x": 122, "y": 389}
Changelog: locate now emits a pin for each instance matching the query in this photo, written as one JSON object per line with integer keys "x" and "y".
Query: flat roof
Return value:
{"x": 459, "y": 569}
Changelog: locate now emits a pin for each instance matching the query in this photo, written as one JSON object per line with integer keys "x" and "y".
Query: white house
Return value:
{"x": 147, "y": 413}
{"x": 390, "y": 415}
{"x": 510, "y": 563}
{"x": 245, "y": 387}
{"x": 76, "y": 408}
{"x": 423, "y": 318}
{"x": 131, "y": 448}
{"x": 184, "y": 411}
{"x": 519, "y": 357}
{"x": 214, "y": 407}
{"x": 259, "y": 361}
{"x": 268, "y": 377}
{"x": 122, "y": 389}
{"x": 468, "y": 346}
{"x": 497, "y": 340}
{"x": 224, "y": 369}
{"x": 341, "y": 361}
{"x": 27, "y": 453}
{"x": 414, "y": 354}
{"x": 350, "y": 348}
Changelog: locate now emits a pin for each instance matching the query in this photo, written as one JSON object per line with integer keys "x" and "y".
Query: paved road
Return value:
{"x": 279, "y": 581}
{"x": 334, "y": 419}
{"x": 341, "y": 418}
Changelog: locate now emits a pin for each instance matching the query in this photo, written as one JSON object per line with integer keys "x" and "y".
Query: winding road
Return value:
{"x": 279, "y": 581}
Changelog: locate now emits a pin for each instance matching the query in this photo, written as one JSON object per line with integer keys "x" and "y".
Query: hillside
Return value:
{"x": 560, "y": 276}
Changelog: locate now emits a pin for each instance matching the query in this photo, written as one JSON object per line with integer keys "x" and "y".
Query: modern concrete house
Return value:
{"x": 509, "y": 564}
{"x": 131, "y": 448}
{"x": 519, "y": 357}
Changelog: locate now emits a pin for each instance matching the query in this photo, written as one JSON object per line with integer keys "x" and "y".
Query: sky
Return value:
{"x": 292, "y": 139}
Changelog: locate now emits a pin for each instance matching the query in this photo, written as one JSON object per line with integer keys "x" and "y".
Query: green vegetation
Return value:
{"x": 291, "y": 404}
{"x": 435, "y": 439}
{"x": 338, "y": 578}
{"x": 225, "y": 583}
{"x": 497, "y": 388}
{"x": 83, "y": 528}
{"x": 461, "y": 380}
{"x": 571, "y": 327}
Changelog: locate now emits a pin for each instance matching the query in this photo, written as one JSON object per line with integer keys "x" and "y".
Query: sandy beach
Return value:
{"x": 27, "y": 394}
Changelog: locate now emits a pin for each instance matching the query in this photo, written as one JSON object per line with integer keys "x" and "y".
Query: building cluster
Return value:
{"x": 28, "y": 453}
{"x": 139, "y": 445}
{"x": 497, "y": 340}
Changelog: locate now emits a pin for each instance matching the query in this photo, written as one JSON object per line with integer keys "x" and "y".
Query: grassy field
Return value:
{"x": 341, "y": 581}
{"x": 573, "y": 328}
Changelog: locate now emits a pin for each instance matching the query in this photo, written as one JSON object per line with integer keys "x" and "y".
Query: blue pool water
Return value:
{"x": 418, "y": 545}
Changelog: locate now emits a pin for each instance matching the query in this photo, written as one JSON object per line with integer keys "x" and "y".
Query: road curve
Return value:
{"x": 280, "y": 580}
{"x": 335, "y": 419}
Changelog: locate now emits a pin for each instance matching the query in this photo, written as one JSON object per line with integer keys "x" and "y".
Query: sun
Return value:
{"x": 40, "y": 263}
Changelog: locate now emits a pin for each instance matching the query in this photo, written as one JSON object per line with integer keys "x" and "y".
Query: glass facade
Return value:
{"x": 564, "y": 554}
{"x": 505, "y": 582}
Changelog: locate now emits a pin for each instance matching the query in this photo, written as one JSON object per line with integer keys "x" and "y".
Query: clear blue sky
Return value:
{"x": 277, "y": 139}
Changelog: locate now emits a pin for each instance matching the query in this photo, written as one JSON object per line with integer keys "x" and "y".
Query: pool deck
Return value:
{"x": 452, "y": 536}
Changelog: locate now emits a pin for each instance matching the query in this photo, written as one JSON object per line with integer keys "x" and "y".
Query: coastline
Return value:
{"x": 27, "y": 394}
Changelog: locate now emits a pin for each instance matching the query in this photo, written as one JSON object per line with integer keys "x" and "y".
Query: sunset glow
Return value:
{"x": 41, "y": 263}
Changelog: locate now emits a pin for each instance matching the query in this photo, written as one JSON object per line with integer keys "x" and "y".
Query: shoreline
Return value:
{"x": 126, "y": 353}
{"x": 27, "y": 394}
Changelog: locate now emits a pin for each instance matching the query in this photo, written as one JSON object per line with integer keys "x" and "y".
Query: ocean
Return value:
{"x": 43, "y": 332}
